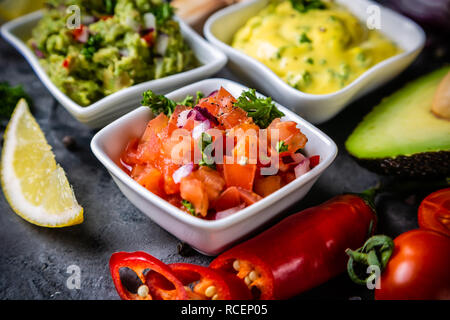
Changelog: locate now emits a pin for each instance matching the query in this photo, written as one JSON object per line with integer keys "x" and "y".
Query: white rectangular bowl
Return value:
{"x": 221, "y": 27}
{"x": 208, "y": 237}
{"x": 109, "y": 108}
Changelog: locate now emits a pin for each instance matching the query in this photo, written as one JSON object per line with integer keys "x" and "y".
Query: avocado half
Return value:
{"x": 401, "y": 136}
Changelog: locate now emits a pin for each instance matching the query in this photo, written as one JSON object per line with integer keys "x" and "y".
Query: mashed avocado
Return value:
{"x": 119, "y": 43}
{"x": 315, "y": 46}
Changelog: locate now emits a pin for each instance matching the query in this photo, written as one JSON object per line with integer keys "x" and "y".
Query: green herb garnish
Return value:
{"x": 109, "y": 6}
{"x": 91, "y": 46}
{"x": 281, "y": 147}
{"x": 262, "y": 110}
{"x": 304, "y": 38}
{"x": 162, "y": 12}
{"x": 189, "y": 207}
{"x": 9, "y": 97}
{"x": 303, "y": 6}
{"x": 158, "y": 103}
{"x": 189, "y": 100}
{"x": 205, "y": 141}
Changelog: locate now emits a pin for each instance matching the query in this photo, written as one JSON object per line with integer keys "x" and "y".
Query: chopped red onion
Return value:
{"x": 212, "y": 93}
{"x": 200, "y": 128}
{"x": 37, "y": 52}
{"x": 133, "y": 24}
{"x": 202, "y": 114}
{"x": 302, "y": 168}
{"x": 183, "y": 117}
{"x": 124, "y": 52}
{"x": 182, "y": 172}
{"x": 87, "y": 20}
{"x": 149, "y": 21}
{"x": 297, "y": 157}
{"x": 84, "y": 35}
{"x": 228, "y": 212}
{"x": 162, "y": 42}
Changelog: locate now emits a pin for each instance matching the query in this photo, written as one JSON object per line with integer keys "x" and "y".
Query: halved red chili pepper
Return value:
{"x": 139, "y": 262}
{"x": 303, "y": 250}
{"x": 434, "y": 212}
{"x": 201, "y": 283}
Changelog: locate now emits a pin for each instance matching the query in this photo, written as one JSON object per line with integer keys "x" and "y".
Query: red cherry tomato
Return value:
{"x": 418, "y": 269}
{"x": 434, "y": 212}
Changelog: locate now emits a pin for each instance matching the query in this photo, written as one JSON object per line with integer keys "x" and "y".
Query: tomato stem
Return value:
{"x": 375, "y": 252}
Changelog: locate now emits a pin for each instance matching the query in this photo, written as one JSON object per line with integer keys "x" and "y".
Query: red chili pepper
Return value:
{"x": 139, "y": 262}
{"x": 201, "y": 283}
{"x": 434, "y": 212}
{"x": 303, "y": 250}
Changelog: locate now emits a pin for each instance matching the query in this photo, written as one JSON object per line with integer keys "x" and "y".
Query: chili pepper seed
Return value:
{"x": 143, "y": 291}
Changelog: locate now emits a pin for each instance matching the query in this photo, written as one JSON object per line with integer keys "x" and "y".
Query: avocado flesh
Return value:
{"x": 402, "y": 136}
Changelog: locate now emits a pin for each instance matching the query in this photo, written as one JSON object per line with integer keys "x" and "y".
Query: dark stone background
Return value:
{"x": 34, "y": 260}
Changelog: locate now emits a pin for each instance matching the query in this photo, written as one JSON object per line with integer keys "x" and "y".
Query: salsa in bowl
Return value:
{"x": 208, "y": 236}
{"x": 213, "y": 156}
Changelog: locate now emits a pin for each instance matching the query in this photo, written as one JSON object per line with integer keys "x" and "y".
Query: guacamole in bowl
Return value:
{"x": 117, "y": 43}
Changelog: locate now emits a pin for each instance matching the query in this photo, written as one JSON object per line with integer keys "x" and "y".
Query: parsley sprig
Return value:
{"x": 92, "y": 45}
{"x": 282, "y": 147}
{"x": 9, "y": 97}
{"x": 262, "y": 110}
{"x": 189, "y": 206}
{"x": 303, "y": 6}
{"x": 162, "y": 12}
{"x": 159, "y": 103}
{"x": 204, "y": 142}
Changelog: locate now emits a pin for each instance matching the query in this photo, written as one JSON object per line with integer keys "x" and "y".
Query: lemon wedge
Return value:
{"x": 35, "y": 186}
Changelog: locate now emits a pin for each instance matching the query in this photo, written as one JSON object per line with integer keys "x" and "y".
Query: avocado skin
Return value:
{"x": 419, "y": 165}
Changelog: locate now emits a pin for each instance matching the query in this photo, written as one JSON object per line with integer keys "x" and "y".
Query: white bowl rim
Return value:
{"x": 101, "y": 107}
{"x": 274, "y": 77}
{"x": 243, "y": 214}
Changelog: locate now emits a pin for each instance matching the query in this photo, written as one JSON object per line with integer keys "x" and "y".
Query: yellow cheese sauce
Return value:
{"x": 319, "y": 51}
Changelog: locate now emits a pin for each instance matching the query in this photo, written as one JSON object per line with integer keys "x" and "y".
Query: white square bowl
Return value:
{"x": 109, "y": 108}
{"x": 208, "y": 237}
{"x": 221, "y": 27}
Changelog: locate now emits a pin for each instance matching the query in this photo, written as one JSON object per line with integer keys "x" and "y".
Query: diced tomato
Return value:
{"x": 265, "y": 186}
{"x": 152, "y": 180}
{"x": 149, "y": 38}
{"x": 212, "y": 180}
{"x": 168, "y": 168}
{"x": 81, "y": 34}
{"x": 221, "y": 105}
{"x": 287, "y": 177}
{"x": 248, "y": 197}
{"x": 173, "y": 121}
{"x": 155, "y": 127}
{"x": 66, "y": 63}
{"x": 194, "y": 191}
{"x": 150, "y": 146}
{"x": 131, "y": 155}
{"x": 314, "y": 161}
{"x": 230, "y": 198}
{"x": 287, "y": 133}
{"x": 239, "y": 175}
